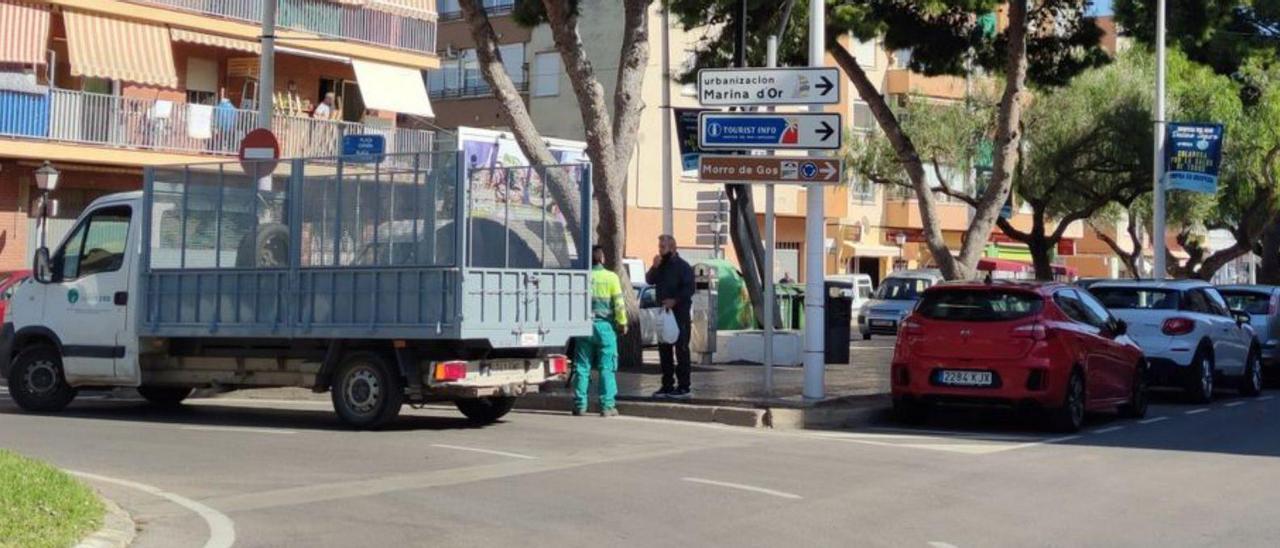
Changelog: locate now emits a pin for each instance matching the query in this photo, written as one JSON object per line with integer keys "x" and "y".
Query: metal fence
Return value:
{"x": 324, "y": 17}
{"x": 515, "y": 212}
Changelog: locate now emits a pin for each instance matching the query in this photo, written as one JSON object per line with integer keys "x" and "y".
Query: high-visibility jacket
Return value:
{"x": 606, "y": 296}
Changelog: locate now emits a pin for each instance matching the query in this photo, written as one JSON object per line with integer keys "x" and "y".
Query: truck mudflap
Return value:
{"x": 6, "y": 349}
{"x": 501, "y": 377}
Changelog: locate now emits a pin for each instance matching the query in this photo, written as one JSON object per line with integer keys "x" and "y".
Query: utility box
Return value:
{"x": 702, "y": 340}
{"x": 838, "y": 313}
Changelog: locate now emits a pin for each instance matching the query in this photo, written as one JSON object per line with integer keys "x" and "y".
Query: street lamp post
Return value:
{"x": 47, "y": 182}
{"x": 716, "y": 226}
{"x": 900, "y": 238}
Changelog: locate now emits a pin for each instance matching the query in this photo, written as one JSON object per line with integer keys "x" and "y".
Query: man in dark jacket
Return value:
{"x": 672, "y": 278}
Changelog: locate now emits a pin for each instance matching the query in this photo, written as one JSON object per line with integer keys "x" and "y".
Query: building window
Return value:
{"x": 513, "y": 61}
{"x": 546, "y": 74}
{"x": 862, "y": 190}
{"x": 865, "y": 52}
{"x": 462, "y": 77}
{"x": 863, "y": 120}
{"x": 902, "y": 59}
{"x": 202, "y": 80}
{"x": 449, "y": 10}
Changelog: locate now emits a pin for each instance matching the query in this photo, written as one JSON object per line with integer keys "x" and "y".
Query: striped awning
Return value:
{"x": 25, "y": 31}
{"x": 101, "y": 47}
{"x": 193, "y": 37}
{"x": 415, "y": 9}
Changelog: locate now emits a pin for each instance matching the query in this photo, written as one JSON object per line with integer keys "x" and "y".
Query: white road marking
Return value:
{"x": 969, "y": 436}
{"x": 1106, "y": 430}
{"x": 1049, "y": 441}
{"x": 940, "y": 544}
{"x": 1235, "y": 404}
{"x": 485, "y": 451}
{"x": 1198, "y": 411}
{"x": 222, "y": 531}
{"x": 751, "y": 488}
{"x": 238, "y": 429}
{"x": 1153, "y": 419}
{"x": 1265, "y": 398}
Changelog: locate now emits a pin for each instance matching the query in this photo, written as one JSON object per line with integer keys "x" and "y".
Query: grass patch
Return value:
{"x": 43, "y": 507}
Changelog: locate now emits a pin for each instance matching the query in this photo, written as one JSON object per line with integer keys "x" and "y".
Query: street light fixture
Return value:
{"x": 900, "y": 238}
{"x": 46, "y": 181}
{"x": 717, "y": 227}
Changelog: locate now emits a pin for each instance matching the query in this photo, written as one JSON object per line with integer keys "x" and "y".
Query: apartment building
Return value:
{"x": 101, "y": 89}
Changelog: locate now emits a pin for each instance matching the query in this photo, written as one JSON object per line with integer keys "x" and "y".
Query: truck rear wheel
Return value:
{"x": 164, "y": 396}
{"x": 37, "y": 382}
{"x": 486, "y": 410}
{"x": 367, "y": 392}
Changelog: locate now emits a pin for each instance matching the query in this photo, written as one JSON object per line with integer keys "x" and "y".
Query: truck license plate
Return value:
{"x": 529, "y": 339}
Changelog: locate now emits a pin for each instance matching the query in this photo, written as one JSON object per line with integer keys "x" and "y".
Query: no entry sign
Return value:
{"x": 259, "y": 153}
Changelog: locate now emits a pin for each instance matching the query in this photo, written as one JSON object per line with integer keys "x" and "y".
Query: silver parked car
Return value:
{"x": 896, "y": 297}
{"x": 1262, "y": 302}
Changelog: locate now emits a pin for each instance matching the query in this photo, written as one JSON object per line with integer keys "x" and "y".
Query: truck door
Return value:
{"x": 85, "y": 303}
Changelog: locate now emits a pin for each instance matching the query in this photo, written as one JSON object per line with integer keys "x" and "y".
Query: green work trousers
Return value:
{"x": 599, "y": 351}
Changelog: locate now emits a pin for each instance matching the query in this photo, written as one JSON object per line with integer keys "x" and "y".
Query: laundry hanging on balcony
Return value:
{"x": 393, "y": 88}
{"x": 25, "y": 28}
{"x": 101, "y": 47}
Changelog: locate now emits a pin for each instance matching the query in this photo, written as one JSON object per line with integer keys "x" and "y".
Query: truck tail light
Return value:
{"x": 1177, "y": 326}
{"x": 450, "y": 371}
{"x": 559, "y": 364}
{"x": 1034, "y": 331}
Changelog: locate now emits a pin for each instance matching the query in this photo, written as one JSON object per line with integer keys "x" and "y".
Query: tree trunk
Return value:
{"x": 1041, "y": 257}
{"x": 1008, "y": 138}
{"x": 1269, "y": 273}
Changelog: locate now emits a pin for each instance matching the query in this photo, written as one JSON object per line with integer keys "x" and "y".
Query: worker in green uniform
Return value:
{"x": 600, "y": 350}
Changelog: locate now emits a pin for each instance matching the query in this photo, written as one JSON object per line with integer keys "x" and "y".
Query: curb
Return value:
{"x": 861, "y": 412}
{"x": 118, "y": 529}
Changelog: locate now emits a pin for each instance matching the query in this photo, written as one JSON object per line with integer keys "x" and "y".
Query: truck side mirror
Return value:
{"x": 41, "y": 269}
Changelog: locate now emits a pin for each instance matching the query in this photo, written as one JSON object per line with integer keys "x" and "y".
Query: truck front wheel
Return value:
{"x": 486, "y": 410}
{"x": 37, "y": 382}
{"x": 164, "y": 396}
{"x": 367, "y": 392}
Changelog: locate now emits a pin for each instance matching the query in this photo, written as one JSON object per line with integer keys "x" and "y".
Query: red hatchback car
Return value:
{"x": 1042, "y": 346}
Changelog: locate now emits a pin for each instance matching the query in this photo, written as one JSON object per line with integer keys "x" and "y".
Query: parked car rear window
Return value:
{"x": 902, "y": 289}
{"x": 1248, "y": 301}
{"x": 968, "y": 305}
{"x": 1136, "y": 298}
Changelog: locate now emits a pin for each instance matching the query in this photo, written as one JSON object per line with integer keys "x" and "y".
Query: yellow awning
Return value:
{"x": 101, "y": 47}
{"x": 25, "y": 28}
{"x": 393, "y": 88}
{"x": 415, "y": 9}
{"x": 193, "y": 37}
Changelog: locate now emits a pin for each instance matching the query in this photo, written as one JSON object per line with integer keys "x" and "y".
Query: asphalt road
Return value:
{"x": 285, "y": 473}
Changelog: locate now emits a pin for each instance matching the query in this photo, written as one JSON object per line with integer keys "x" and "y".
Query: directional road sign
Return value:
{"x": 780, "y": 86}
{"x": 769, "y": 169}
{"x": 740, "y": 130}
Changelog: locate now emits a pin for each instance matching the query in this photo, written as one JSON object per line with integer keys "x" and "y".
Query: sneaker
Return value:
{"x": 579, "y": 412}
{"x": 680, "y": 394}
{"x": 663, "y": 393}
{"x": 610, "y": 412}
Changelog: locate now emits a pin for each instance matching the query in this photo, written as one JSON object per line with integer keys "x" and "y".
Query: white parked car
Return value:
{"x": 863, "y": 288}
{"x": 1189, "y": 335}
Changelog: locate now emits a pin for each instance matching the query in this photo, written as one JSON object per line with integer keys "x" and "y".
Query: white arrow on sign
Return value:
{"x": 780, "y": 86}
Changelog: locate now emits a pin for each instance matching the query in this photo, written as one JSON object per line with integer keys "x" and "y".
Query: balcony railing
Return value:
{"x": 170, "y": 126}
{"x": 491, "y": 7}
{"x": 325, "y": 18}
{"x": 472, "y": 89}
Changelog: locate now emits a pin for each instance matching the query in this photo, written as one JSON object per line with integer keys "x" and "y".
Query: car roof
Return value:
{"x": 1043, "y": 288}
{"x": 1175, "y": 285}
{"x": 1249, "y": 288}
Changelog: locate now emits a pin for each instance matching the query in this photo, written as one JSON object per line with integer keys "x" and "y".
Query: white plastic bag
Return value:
{"x": 670, "y": 329}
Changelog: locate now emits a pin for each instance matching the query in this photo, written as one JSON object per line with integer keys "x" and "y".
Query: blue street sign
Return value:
{"x": 363, "y": 148}
{"x": 796, "y": 131}
{"x": 1193, "y": 154}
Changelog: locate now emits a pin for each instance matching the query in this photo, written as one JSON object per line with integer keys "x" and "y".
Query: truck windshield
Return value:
{"x": 1136, "y": 298}
{"x": 902, "y": 289}
{"x": 969, "y": 305}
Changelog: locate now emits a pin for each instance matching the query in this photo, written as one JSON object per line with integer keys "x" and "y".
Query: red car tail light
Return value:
{"x": 1034, "y": 331}
{"x": 559, "y": 364}
{"x": 912, "y": 327}
{"x": 1177, "y": 326}
{"x": 450, "y": 371}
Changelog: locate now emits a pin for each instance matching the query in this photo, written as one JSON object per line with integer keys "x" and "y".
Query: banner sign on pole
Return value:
{"x": 1193, "y": 155}
{"x": 794, "y": 131}
{"x": 773, "y": 86}
{"x": 687, "y": 136}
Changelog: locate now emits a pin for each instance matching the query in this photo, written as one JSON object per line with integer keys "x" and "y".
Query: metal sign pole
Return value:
{"x": 1158, "y": 196}
{"x": 769, "y": 236}
{"x": 815, "y": 238}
